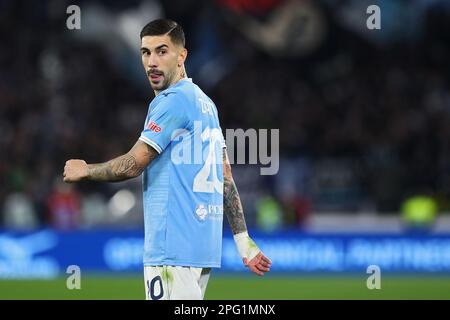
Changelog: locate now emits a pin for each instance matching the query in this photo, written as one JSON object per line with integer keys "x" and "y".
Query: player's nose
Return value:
{"x": 152, "y": 61}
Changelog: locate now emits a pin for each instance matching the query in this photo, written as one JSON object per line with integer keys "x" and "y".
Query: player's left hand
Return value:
{"x": 259, "y": 264}
{"x": 251, "y": 255}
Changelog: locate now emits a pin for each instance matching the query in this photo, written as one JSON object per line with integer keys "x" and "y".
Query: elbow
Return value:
{"x": 138, "y": 172}
{"x": 135, "y": 172}
{"x": 127, "y": 167}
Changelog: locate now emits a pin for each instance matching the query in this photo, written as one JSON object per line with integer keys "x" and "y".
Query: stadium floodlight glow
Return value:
{"x": 121, "y": 203}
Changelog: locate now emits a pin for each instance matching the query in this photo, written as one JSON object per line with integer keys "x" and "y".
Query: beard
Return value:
{"x": 159, "y": 80}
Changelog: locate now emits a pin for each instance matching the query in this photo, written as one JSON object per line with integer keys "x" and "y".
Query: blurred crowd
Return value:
{"x": 364, "y": 122}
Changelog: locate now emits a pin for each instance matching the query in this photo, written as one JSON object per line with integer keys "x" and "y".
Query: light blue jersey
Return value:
{"x": 183, "y": 186}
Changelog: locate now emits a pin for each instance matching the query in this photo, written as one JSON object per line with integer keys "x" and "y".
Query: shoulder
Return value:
{"x": 183, "y": 95}
{"x": 172, "y": 102}
{"x": 183, "y": 91}
{"x": 169, "y": 99}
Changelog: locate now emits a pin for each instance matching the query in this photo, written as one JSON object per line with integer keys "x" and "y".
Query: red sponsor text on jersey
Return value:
{"x": 152, "y": 126}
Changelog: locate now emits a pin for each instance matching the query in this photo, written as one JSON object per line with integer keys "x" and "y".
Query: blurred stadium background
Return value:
{"x": 364, "y": 119}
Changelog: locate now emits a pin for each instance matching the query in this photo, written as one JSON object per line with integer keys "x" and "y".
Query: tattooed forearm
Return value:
{"x": 118, "y": 169}
{"x": 232, "y": 205}
{"x": 126, "y": 167}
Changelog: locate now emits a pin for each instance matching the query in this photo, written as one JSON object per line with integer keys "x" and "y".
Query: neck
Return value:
{"x": 181, "y": 75}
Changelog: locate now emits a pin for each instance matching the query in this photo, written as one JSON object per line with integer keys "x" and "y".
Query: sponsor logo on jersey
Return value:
{"x": 201, "y": 212}
{"x": 210, "y": 211}
{"x": 152, "y": 126}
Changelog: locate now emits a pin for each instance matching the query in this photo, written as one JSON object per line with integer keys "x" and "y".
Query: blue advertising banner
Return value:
{"x": 47, "y": 253}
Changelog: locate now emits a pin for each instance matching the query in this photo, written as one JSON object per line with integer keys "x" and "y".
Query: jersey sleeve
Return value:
{"x": 222, "y": 142}
{"x": 163, "y": 120}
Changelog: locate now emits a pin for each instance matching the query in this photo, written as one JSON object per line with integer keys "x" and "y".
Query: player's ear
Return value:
{"x": 182, "y": 56}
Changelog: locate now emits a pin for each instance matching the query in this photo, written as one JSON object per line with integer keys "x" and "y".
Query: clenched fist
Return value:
{"x": 75, "y": 170}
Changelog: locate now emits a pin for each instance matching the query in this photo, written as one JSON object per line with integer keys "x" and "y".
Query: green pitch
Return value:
{"x": 238, "y": 287}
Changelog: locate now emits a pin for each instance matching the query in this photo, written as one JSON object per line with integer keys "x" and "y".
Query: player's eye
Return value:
{"x": 162, "y": 52}
{"x": 145, "y": 53}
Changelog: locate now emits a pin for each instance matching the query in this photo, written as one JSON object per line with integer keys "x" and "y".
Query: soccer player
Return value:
{"x": 187, "y": 180}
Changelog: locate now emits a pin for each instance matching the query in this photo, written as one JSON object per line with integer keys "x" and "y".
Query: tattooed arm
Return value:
{"x": 251, "y": 255}
{"x": 232, "y": 206}
{"x": 127, "y": 166}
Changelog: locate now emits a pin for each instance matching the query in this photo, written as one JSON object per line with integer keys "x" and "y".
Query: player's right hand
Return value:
{"x": 75, "y": 170}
